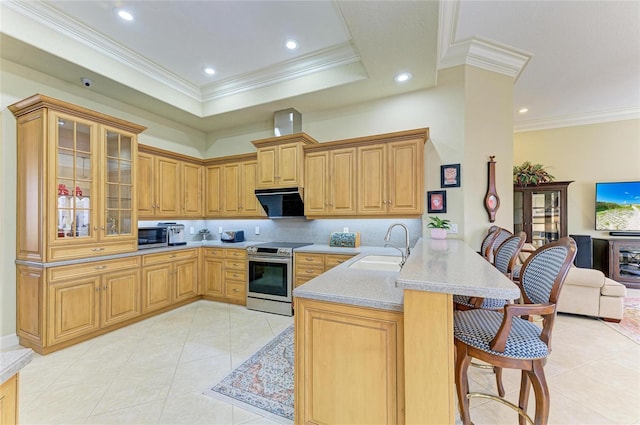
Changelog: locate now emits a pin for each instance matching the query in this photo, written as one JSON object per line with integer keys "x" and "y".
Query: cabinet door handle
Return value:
{"x": 236, "y": 290}
{"x": 95, "y": 228}
{"x": 101, "y": 227}
{"x": 172, "y": 256}
{"x": 100, "y": 267}
{"x": 97, "y": 249}
{"x": 309, "y": 271}
{"x": 308, "y": 258}
{"x": 340, "y": 261}
{"x": 104, "y": 287}
{"x": 98, "y": 289}
{"x": 235, "y": 275}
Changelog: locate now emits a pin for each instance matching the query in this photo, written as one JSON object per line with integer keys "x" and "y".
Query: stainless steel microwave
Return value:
{"x": 152, "y": 237}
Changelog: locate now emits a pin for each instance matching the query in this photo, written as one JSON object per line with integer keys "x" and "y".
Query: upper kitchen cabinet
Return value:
{"x": 230, "y": 187}
{"x": 331, "y": 182}
{"x": 280, "y": 161}
{"x": 367, "y": 176}
{"x": 391, "y": 176}
{"x": 169, "y": 185}
{"x": 76, "y": 189}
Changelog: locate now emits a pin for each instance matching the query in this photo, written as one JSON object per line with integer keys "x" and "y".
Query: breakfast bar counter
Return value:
{"x": 351, "y": 322}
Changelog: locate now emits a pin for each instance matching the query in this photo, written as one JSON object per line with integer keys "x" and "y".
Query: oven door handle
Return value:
{"x": 279, "y": 260}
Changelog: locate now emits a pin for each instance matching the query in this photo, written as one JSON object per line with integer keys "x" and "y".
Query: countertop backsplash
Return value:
{"x": 372, "y": 231}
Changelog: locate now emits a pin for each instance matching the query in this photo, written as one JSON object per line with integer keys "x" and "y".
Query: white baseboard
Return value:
{"x": 8, "y": 341}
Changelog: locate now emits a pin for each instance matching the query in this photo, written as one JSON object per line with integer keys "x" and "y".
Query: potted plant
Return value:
{"x": 528, "y": 173}
{"x": 438, "y": 227}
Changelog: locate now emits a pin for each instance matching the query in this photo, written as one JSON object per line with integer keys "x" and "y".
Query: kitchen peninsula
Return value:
{"x": 357, "y": 331}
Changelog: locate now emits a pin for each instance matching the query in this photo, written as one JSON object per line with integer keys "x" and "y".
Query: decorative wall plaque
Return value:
{"x": 491, "y": 199}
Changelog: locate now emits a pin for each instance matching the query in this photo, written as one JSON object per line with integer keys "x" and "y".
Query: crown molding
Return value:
{"x": 51, "y": 18}
{"x": 317, "y": 61}
{"x": 476, "y": 51}
{"x": 620, "y": 114}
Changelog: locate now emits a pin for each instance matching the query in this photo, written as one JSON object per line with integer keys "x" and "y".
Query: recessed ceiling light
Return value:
{"x": 124, "y": 14}
{"x": 209, "y": 71}
{"x": 402, "y": 77}
{"x": 523, "y": 110}
{"x": 291, "y": 44}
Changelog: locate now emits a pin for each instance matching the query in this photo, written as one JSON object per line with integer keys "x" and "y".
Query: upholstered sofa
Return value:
{"x": 588, "y": 292}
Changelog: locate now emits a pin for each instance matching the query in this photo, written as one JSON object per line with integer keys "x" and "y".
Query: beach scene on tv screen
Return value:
{"x": 618, "y": 206}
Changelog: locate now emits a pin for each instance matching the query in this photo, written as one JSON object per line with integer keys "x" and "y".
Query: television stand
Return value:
{"x": 619, "y": 259}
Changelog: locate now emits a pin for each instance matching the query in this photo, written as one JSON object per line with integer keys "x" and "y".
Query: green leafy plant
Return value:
{"x": 528, "y": 173}
{"x": 438, "y": 223}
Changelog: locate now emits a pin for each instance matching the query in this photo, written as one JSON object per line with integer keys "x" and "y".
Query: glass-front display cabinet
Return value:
{"x": 541, "y": 211}
{"x": 75, "y": 181}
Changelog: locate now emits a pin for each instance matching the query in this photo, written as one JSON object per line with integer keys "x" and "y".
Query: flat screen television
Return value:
{"x": 618, "y": 206}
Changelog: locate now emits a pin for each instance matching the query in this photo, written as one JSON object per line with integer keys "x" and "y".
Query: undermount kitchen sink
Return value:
{"x": 389, "y": 263}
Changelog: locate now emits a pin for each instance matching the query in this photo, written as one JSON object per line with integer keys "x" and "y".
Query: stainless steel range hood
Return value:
{"x": 281, "y": 203}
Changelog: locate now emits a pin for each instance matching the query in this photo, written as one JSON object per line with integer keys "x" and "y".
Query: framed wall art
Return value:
{"x": 450, "y": 175}
{"x": 437, "y": 201}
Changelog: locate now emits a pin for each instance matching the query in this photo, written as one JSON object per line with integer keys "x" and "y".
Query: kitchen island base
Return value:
{"x": 349, "y": 364}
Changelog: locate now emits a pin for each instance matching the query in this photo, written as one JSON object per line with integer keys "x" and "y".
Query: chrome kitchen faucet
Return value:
{"x": 387, "y": 237}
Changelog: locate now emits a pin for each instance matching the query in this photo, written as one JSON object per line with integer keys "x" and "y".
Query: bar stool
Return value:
{"x": 509, "y": 339}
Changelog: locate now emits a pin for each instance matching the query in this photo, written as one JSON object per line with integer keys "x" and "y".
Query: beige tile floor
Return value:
{"x": 154, "y": 372}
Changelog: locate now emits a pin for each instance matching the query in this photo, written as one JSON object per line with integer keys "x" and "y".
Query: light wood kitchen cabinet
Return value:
{"x": 76, "y": 181}
{"x": 9, "y": 401}
{"x": 212, "y": 272}
{"x": 230, "y": 187}
{"x": 390, "y": 178}
{"x": 381, "y": 175}
{"x": 331, "y": 182}
{"x": 85, "y": 298}
{"x": 213, "y": 185}
{"x": 169, "y": 278}
{"x": 225, "y": 275}
{"x": 235, "y": 275}
{"x": 192, "y": 189}
{"x": 336, "y": 349}
{"x": 82, "y": 306}
{"x": 280, "y": 161}
{"x": 169, "y": 185}
{"x": 239, "y": 198}
{"x": 309, "y": 265}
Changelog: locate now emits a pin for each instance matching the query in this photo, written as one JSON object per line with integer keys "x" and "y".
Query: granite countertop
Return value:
{"x": 189, "y": 245}
{"x": 365, "y": 288}
{"x": 11, "y": 362}
{"x": 448, "y": 266}
{"x": 451, "y": 266}
{"x": 326, "y": 249}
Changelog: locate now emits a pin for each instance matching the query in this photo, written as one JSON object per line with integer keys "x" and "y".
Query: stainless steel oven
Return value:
{"x": 270, "y": 277}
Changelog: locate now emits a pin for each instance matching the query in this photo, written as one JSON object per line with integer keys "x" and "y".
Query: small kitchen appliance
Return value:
{"x": 232, "y": 236}
{"x": 152, "y": 237}
{"x": 175, "y": 233}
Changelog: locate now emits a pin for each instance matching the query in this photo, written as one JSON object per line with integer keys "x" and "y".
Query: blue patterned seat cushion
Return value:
{"x": 488, "y": 303}
{"x": 477, "y": 328}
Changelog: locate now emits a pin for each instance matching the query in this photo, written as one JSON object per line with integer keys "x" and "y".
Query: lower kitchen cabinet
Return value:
{"x": 235, "y": 275}
{"x": 309, "y": 265}
{"x": 225, "y": 275}
{"x": 9, "y": 401}
{"x": 349, "y": 364}
{"x": 81, "y": 306}
{"x": 82, "y": 299}
{"x": 169, "y": 278}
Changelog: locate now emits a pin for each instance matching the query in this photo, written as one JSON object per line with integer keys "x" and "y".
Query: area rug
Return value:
{"x": 264, "y": 383}
{"x": 629, "y": 326}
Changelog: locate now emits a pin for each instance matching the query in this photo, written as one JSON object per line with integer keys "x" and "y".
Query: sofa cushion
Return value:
{"x": 612, "y": 288}
{"x": 585, "y": 277}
